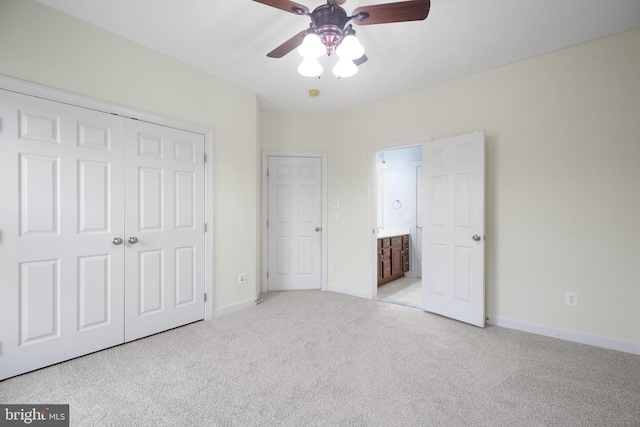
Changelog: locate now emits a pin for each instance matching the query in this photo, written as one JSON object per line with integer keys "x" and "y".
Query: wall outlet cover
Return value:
{"x": 243, "y": 278}
{"x": 571, "y": 298}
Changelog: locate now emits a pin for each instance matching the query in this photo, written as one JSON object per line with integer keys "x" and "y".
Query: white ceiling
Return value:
{"x": 231, "y": 38}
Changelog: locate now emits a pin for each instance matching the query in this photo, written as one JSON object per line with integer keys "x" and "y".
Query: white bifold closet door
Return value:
{"x": 164, "y": 222}
{"x": 75, "y": 184}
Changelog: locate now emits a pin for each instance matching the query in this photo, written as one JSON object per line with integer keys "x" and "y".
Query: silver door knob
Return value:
{"x": 117, "y": 241}
{"x": 476, "y": 238}
{"x": 318, "y": 229}
{"x": 133, "y": 240}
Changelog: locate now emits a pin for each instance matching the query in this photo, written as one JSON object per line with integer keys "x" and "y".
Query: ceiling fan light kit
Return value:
{"x": 314, "y": 46}
{"x": 330, "y": 32}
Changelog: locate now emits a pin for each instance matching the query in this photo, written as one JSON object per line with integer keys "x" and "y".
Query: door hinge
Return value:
{"x": 267, "y": 274}
{"x": 267, "y": 223}
{"x": 205, "y": 227}
{"x": 267, "y": 172}
{"x": 205, "y": 157}
{"x": 205, "y": 297}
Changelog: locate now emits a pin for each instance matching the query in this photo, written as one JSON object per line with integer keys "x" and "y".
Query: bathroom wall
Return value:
{"x": 397, "y": 182}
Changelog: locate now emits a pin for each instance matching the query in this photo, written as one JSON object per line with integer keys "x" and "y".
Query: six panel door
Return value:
{"x": 295, "y": 220}
{"x": 164, "y": 228}
{"x": 62, "y": 181}
{"x": 453, "y": 242}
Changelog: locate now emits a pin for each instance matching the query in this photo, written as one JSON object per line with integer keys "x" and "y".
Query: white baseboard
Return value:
{"x": 348, "y": 291}
{"x": 232, "y": 308}
{"x": 562, "y": 334}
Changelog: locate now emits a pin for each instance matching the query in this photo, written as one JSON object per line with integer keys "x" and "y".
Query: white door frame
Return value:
{"x": 414, "y": 218}
{"x": 33, "y": 89}
{"x": 372, "y": 276}
{"x": 322, "y": 155}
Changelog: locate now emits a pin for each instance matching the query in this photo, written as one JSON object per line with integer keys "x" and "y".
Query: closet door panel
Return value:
{"x": 62, "y": 192}
{"x": 164, "y": 228}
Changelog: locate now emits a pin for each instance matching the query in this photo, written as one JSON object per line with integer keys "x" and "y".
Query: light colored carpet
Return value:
{"x": 314, "y": 358}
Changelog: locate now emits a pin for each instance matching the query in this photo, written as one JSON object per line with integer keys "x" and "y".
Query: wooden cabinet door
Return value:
{"x": 405, "y": 263}
{"x": 386, "y": 268}
{"x": 396, "y": 260}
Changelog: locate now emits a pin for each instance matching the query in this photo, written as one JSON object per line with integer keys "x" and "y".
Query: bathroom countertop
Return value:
{"x": 392, "y": 231}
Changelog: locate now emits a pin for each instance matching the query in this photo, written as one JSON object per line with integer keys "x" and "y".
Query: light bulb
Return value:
{"x": 310, "y": 67}
{"x": 350, "y": 48}
{"x": 311, "y": 47}
{"x": 345, "y": 68}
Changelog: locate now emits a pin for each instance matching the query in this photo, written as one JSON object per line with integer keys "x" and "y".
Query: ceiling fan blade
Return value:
{"x": 413, "y": 10}
{"x": 287, "y": 46}
{"x": 286, "y": 5}
{"x": 360, "y": 60}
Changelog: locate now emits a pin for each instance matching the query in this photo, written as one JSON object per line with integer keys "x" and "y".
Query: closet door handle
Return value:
{"x": 117, "y": 241}
{"x": 133, "y": 240}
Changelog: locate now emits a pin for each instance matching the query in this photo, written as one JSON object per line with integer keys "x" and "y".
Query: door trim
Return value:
{"x": 322, "y": 155}
{"x": 372, "y": 276}
{"x": 45, "y": 92}
{"x": 414, "y": 217}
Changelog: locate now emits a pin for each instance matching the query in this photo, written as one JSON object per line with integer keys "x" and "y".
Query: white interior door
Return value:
{"x": 294, "y": 223}
{"x": 61, "y": 188}
{"x": 164, "y": 228}
{"x": 453, "y": 240}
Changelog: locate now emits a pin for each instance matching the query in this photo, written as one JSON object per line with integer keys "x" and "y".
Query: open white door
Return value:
{"x": 453, "y": 239}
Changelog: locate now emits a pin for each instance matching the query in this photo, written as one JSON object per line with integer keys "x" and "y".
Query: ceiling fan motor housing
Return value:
{"x": 329, "y": 22}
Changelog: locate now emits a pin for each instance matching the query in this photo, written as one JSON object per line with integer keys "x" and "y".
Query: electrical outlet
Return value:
{"x": 336, "y": 217}
{"x": 243, "y": 278}
{"x": 336, "y": 203}
{"x": 571, "y": 298}
{"x": 336, "y": 267}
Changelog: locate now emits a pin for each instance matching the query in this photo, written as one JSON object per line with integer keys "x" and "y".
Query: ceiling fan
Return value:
{"x": 330, "y": 31}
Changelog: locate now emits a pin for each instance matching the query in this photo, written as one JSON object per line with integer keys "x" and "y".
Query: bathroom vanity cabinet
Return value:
{"x": 393, "y": 258}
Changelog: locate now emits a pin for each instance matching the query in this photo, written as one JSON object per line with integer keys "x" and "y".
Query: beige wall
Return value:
{"x": 563, "y": 179}
{"x": 41, "y": 45}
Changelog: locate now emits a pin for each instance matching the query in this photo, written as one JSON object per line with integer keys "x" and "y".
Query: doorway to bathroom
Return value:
{"x": 398, "y": 180}
{"x": 452, "y": 237}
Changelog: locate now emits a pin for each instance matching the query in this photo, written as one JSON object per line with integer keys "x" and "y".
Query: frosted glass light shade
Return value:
{"x": 345, "y": 68}
{"x": 350, "y": 48}
{"x": 312, "y": 47}
{"x": 310, "y": 67}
